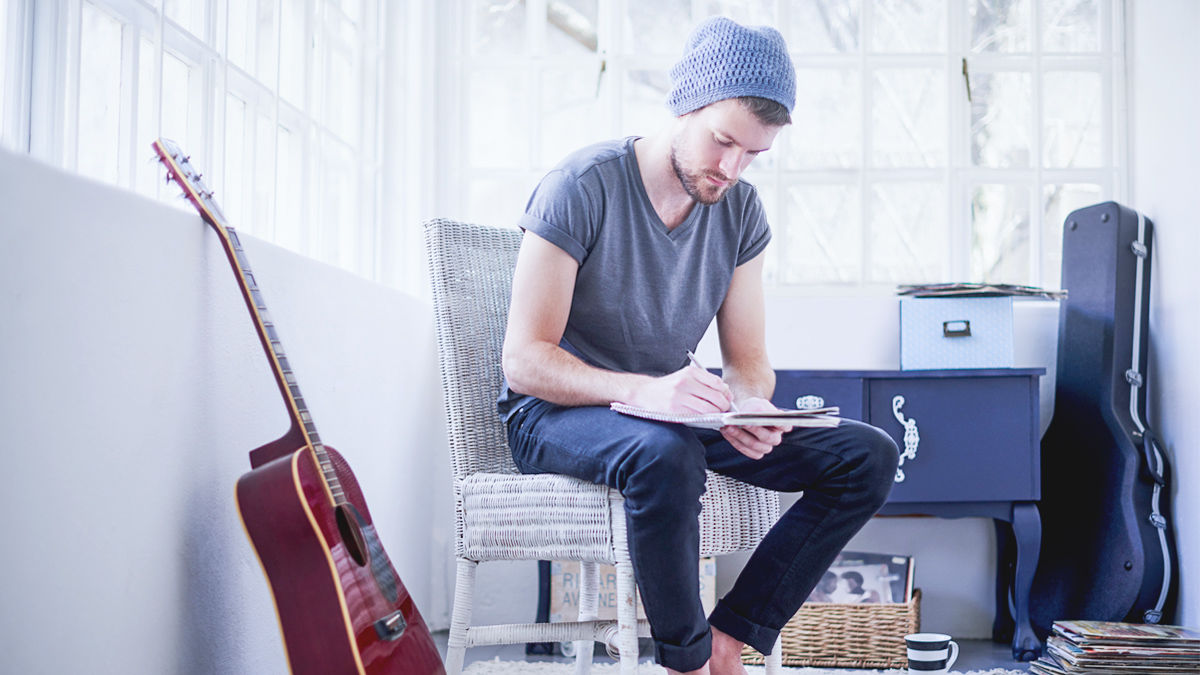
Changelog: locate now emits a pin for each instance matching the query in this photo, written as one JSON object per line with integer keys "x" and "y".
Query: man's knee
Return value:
{"x": 667, "y": 461}
{"x": 879, "y": 457}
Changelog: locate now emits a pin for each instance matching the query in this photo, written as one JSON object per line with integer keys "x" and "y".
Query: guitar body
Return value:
{"x": 329, "y": 606}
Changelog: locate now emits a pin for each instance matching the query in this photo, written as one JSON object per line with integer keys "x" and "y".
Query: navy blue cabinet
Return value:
{"x": 969, "y": 443}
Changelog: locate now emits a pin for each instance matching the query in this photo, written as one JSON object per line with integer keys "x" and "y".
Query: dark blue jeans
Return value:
{"x": 846, "y": 474}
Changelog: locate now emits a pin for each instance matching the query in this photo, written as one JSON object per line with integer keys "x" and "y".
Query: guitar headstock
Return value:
{"x": 189, "y": 180}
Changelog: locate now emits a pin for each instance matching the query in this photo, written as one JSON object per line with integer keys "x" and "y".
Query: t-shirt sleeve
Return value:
{"x": 561, "y": 212}
{"x": 756, "y": 233}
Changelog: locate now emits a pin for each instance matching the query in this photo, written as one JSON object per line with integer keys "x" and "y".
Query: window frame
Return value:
{"x": 958, "y": 175}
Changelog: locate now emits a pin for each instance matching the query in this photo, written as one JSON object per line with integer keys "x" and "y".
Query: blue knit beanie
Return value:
{"x": 724, "y": 59}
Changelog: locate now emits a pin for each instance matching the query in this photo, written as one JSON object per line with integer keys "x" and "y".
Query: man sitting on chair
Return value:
{"x": 631, "y": 248}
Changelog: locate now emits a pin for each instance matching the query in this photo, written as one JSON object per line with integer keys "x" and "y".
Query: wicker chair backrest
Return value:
{"x": 471, "y": 269}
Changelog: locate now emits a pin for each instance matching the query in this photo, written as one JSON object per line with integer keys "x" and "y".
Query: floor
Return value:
{"x": 973, "y": 654}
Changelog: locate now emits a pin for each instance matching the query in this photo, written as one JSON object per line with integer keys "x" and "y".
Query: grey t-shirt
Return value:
{"x": 644, "y": 295}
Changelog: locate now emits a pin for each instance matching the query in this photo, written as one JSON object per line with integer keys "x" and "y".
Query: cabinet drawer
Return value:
{"x": 846, "y": 393}
{"x": 977, "y": 440}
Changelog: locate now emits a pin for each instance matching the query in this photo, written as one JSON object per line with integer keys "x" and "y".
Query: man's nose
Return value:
{"x": 733, "y": 161}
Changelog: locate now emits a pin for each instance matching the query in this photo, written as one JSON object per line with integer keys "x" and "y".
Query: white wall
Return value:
{"x": 1164, "y": 100}
{"x": 132, "y": 387}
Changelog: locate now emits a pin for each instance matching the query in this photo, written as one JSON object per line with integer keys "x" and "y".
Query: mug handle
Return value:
{"x": 953, "y": 654}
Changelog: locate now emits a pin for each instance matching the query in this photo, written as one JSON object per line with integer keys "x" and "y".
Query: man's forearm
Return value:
{"x": 553, "y": 374}
{"x": 750, "y": 380}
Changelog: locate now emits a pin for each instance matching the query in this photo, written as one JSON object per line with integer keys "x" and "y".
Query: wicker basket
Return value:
{"x": 838, "y": 635}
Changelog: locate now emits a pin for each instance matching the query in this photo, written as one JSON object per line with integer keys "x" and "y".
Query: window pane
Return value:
{"x": 906, "y": 232}
{"x": 909, "y": 118}
{"x": 340, "y": 226}
{"x": 265, "y": 38}
{"x": 1001, "y": 119}
{"x": 644, "y": 103}
{"x": 240, "y": 33}
{"x": 99, "y": 95}
{"x": 823, "y": 26}
{"x": 570, "y": 114}
{"x": 904, "y": 26}
{"x": 1071, "y": 25}
{"x": 499, "y": 200}
{"x": 1000, "y": 25}
{"x": 1000, "y": 234}
{"x": 236, "y": 158}
{"x": 293, "y": 32}
{"x": 5, "y": 79}
{"x": 187, "y": 13}
{"x": 497, "y": 27}
{"x": 1057, "y": 202}
{"x": 352, "y": 8}
{"x": 745, "y": 12}
{"x": 149, "y": 178}
{"x": 263, "y": 222}
{"x": 571, "y": 28}
{"x": 498, "y": 128}
{"x": 343, "y": 95}
{"x": 1072, "y": 118}
{"x": 826, "y": 129}
{"x": 658, "y": 27}
{"x": 289, "y": 206}
{"x": 823, "y": 235}
{"x": 180, "y": 105}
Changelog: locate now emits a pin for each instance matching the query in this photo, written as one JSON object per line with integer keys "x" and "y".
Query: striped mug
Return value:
{"x": 930, "y": 653}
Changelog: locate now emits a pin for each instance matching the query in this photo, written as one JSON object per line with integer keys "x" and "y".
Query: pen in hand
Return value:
{"x": 696, "y": 362}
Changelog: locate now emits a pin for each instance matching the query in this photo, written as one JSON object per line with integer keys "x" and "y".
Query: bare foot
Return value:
{"x": 726, "y": 655}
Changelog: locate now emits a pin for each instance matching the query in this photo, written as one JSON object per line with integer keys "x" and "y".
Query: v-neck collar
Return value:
{"x": 659, "y": 226}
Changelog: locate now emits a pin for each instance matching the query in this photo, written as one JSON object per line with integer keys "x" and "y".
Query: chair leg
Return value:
{"x": 774, "y": 660}
{"x": 589, "y": 588}
{"x": 627, "y": 628}
{"x": 460, "y": 620}
{"x": 627, "y": 625}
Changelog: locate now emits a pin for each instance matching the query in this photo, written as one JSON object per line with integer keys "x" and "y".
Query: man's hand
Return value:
{"x": 754, "y": 442}
{"x": 687, "y": 390}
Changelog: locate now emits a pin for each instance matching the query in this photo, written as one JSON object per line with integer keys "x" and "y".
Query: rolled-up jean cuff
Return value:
{"x": 742, "y": 629}
{"x": 686, "y": 657}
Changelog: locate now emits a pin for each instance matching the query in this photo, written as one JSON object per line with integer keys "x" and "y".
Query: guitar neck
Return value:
{"x": 273, "y": 347}
{"x": 303, "y": 430}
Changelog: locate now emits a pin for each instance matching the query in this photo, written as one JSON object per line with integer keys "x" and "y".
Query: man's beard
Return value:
{"x": 695, "y": 183}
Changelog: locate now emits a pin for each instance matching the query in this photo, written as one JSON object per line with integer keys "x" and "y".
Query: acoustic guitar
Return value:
{"x": 341, "y": 606}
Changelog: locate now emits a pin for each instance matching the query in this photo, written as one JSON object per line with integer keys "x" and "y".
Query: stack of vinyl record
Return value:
{"x": 1119, "y": 648}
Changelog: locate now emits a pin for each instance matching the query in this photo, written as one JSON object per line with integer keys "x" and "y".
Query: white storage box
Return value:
{"x": 958, "y": 332}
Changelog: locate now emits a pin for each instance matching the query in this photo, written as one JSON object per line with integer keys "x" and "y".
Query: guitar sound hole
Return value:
{"x": 352, "y": 536}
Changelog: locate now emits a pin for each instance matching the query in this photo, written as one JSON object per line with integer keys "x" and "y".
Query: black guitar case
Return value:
{"x": 1108, "y": 551}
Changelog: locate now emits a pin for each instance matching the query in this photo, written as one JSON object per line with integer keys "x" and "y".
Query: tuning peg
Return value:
{"x": 170, "y": 177}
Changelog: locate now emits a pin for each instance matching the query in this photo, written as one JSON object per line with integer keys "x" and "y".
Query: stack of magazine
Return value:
{"x": 1111, "y": 647}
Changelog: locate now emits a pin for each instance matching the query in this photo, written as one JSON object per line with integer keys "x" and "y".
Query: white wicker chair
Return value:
{"x": 503, "y": 515}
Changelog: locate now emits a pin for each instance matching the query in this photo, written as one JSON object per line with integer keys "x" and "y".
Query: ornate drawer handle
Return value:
{"x": 911, "y": 436}
{"x": 809, "y": 402}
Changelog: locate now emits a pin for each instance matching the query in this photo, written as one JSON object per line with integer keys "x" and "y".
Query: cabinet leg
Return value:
{"x": 1006, "y": 553}
{"x": 1027, "y": 530}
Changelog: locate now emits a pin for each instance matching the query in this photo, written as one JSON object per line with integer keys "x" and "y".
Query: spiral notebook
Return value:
{"x": 815, "y": 417}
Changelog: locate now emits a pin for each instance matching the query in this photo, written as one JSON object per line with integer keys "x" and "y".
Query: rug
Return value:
{"x": 498, "y": 667}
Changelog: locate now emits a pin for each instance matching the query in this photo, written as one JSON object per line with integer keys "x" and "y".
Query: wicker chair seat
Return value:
{"x": 553, "y": 517}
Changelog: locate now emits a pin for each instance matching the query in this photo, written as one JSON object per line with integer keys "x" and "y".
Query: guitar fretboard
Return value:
{"x": 270, "y": 337}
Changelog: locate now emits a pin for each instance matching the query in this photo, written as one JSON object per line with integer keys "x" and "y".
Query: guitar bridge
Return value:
{"x": 392, "y": 626}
